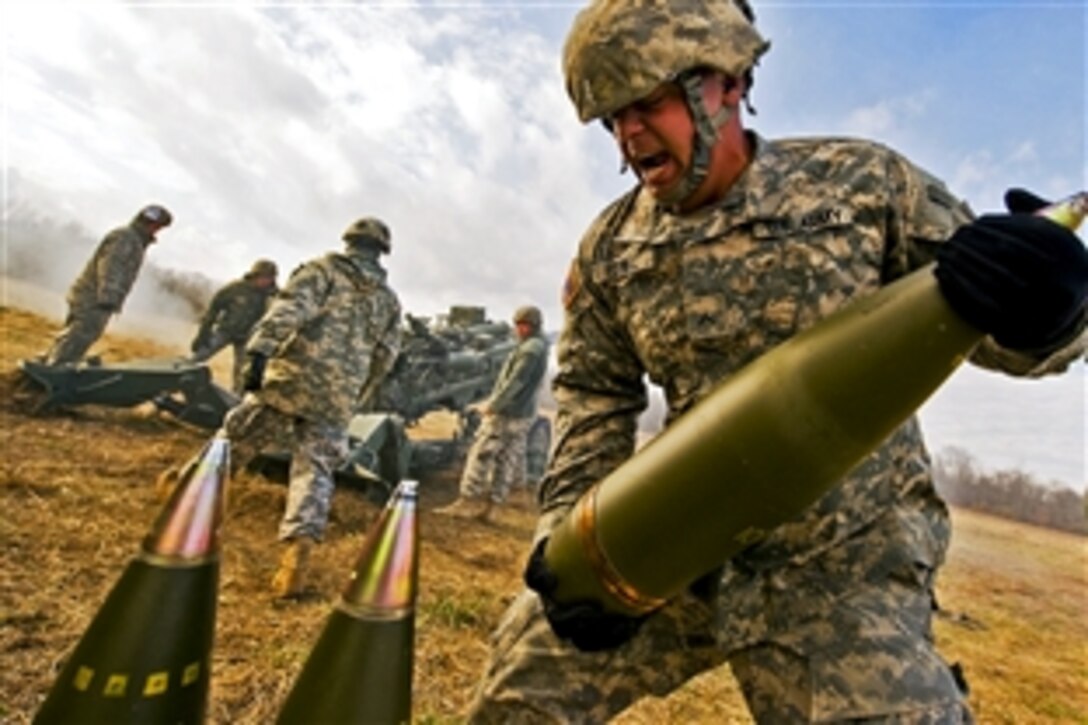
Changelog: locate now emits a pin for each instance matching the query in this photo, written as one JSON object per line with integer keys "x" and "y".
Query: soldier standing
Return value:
{"x": 232, "y": 314}
{"x": 729, "y": 245}
{"x": 496, "y": 460}
{"x": 100, "y": 290}
{"x": 329, "y": 335}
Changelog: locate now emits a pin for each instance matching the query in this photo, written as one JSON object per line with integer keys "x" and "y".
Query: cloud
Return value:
{"x": 982, "y": 175}
{"x": 889, "y": 117}
{"x": 267, "y": 131}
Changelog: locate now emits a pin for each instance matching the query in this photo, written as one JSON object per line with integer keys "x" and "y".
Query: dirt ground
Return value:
{"x": 76, "y": 488}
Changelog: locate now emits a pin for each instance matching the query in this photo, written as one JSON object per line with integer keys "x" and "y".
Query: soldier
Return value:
{"x": 329, "y": 335}
{"x": 728, "y": 245}
{"x": 496, "y": 460}
{"x": 105, "y": 282}
{"x": 232, "y": 314}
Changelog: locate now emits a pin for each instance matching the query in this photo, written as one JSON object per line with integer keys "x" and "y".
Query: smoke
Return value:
{"x": 48, "y": 250}
{"x": 193, "y": 289}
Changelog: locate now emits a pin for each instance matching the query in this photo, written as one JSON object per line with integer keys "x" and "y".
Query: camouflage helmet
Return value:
{"x": 619, "y": 51}
{"x": 154, "y": 214}
{"x": 369, "y": 229}
{"x": 262, "y": 268}
{"x": 530, "y": 315}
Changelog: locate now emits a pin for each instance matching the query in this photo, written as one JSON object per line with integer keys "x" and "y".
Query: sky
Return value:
{"x": 267, "y": 129}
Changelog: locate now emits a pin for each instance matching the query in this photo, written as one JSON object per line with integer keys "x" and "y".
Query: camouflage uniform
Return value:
{"x": 496, "y": 460}
{"x": 99, "y": 291}
{"x": 829, "y": 617}
{"x": 230, "y": 317}
{"x": 332, "y": 329}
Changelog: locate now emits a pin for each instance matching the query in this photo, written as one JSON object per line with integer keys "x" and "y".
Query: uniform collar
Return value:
{"x": 143, "y": 233}
{"x": 650, "y": 222}
{"x": 364, "y": 260}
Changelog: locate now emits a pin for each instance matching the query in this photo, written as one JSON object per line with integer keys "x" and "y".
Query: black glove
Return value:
{"x": 1020, "y": 278}
{"x": 1022, "y": 201}
{"x": 585, "y": 624}
{"x": 253, "y": 371}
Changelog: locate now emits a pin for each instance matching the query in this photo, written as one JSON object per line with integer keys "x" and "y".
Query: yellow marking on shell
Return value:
{"x": 116, "y": 686}
{"x": 190, "y": 674}
{"x": 156, "y": 684}
{"x": 83, "y": 678}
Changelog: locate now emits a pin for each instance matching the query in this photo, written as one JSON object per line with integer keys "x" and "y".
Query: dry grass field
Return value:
{"x": 76, "y": 488}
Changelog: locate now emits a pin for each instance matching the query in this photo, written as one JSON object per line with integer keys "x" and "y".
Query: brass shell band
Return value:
{"x": 622, "y": 590}
{"x": 375, "y": 614}
{"x": 176, "y": 562}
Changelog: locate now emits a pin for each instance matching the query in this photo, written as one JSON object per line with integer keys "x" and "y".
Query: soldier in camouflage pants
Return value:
{"x": 729, "y": 245}
{"x": 317, "y": 448}
{"x": 231, "y": 315}
{"x": 100, "y": 290}
{"x": 496, "y": 460}
{"x": 331, "y": 334}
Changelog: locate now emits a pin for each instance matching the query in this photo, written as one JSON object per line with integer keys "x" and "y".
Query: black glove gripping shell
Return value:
{"x": 1022, "y": 201}
{"x": 1021, "y": 278}
{"x": 584, "y": 624}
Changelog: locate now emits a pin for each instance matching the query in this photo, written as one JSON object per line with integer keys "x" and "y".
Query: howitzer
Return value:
{"x": 181, "y": 388}
{"x": 763, "y": 446}
{"x": 378, "y": 455}
{"x": 446, "y": 366}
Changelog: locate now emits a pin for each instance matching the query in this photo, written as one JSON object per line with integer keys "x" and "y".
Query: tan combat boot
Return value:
{"x": 289, "y": 578}
{"x": 465, "y": 508}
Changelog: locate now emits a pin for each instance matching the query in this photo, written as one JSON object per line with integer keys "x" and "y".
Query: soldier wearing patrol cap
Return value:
{"x": 100, "y": 290}
{"x": 728, "y": 245}
{"x": 328, "y": 337}
{"x": 497, "y": 458}
{"x": 232, "y": 314}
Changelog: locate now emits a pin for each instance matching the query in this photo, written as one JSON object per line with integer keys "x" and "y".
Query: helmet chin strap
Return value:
{"x": 706, "y": 135}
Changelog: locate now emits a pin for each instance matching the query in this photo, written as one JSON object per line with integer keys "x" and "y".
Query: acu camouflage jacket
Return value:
{"x": 110, "y": 273}
{"x": 334, "y": 327}
{"x": 688, "y": 300}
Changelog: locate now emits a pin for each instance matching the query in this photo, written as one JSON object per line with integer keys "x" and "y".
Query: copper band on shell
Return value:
{"x": 614, "y": 583}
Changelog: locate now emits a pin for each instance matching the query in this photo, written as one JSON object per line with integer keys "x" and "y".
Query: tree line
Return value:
{"x": 1010, "y": 493}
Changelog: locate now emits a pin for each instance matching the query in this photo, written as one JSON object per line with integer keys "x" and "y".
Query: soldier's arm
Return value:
{"x": 298, "y": 303}
{"x": 521, "y": 376}
{"x": 924, "y": 214}
{"x": 600, "y": 393}
{"x": 386, "y": 348}
{"x": 215, "y": 309}
{"x": 116, "y": 267}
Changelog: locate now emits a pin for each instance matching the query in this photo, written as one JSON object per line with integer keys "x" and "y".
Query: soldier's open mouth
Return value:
{"x": 649, "y": 163}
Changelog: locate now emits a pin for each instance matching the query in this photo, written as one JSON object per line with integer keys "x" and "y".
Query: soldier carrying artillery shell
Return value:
{"x": 729, "y": 245}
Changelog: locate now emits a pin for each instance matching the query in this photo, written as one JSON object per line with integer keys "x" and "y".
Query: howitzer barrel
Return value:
{"x": 467, "y": 363}
{"x": 765, "y": 445}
